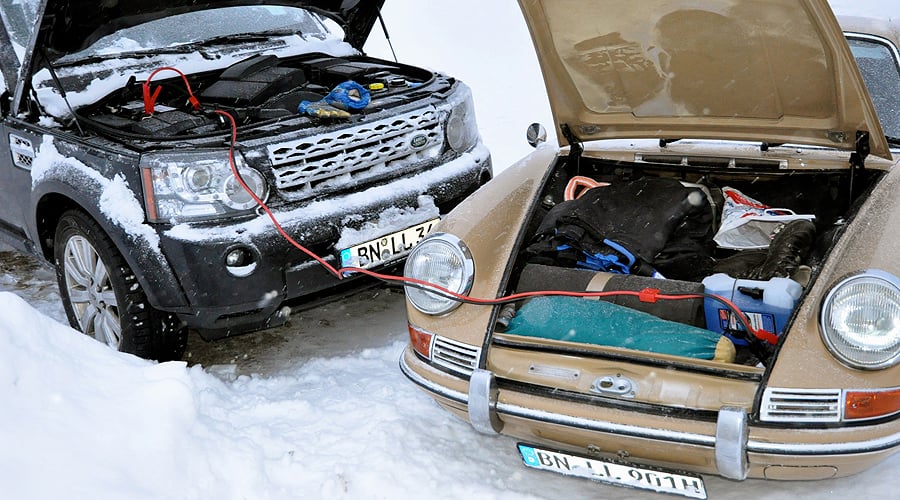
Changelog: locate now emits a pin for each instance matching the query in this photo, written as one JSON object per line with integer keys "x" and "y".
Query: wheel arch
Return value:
{"x": 55, "y": 196}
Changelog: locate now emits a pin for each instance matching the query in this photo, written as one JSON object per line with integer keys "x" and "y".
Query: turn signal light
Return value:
{"x": 871, "y": 404}
{"x": 420, "y": 340}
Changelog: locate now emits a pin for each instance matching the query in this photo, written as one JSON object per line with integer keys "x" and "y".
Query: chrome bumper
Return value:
{"x": 730, "y": 443}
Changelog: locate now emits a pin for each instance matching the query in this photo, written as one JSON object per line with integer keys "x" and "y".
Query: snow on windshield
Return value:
{"x": 208, "y": 25}
{"x": 879, "y": 70}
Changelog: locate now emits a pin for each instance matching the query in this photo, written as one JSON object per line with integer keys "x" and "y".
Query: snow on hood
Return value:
{"x": 749, "y": 70}
{"x": 98, "y": 79}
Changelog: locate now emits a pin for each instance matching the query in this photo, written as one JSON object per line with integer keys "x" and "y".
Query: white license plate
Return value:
{"x": 386, "y": 248}
{"x": 605, "y": 471}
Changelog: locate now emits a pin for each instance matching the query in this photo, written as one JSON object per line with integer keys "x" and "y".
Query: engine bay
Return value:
{"x": 258, "y": 89}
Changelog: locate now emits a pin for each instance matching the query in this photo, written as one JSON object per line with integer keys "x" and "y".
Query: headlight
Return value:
{"x": 440, "y": 259}
{"x": 197, "y": 185}
{"x": 860, "y": 320}
{"x": 462, "y": 130}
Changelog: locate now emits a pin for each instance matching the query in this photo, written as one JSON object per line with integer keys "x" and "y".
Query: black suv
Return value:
{"x": 138, "y": 139}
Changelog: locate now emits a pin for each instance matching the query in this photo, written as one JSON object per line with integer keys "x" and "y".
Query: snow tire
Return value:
{"x": 103, "y": 298}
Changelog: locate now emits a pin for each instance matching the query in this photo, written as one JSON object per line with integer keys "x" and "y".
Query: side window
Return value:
{"x": 880, "y": 68}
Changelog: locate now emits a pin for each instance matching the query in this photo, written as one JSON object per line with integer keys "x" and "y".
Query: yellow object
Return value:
{"x": 376, "y": 86}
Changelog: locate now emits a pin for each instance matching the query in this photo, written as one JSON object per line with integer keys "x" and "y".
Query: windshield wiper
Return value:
{"x": 261, "y": 36}
{"x": 894, "y": 141}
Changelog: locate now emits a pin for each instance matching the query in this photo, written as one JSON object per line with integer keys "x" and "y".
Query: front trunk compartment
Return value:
{"x": 636, "y": 349}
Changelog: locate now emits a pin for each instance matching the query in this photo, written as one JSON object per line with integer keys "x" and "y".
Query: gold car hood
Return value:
{"x": 772, "y": 71}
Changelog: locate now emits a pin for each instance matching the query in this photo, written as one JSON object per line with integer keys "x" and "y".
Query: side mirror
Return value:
{"x": 536, "y": 134}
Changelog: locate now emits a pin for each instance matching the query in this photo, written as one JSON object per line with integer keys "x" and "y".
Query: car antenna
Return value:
{"x": 387, "y": 36}
{"x": 62, "y": 91}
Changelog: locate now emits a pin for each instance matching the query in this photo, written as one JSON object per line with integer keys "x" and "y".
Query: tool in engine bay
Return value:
{"x": 345, "y": 97}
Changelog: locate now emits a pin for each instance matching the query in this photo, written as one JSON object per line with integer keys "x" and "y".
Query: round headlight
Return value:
{"x": 444, "y": 260}
{"x": 860, "y": 320}
{"x": 236, "y": 196}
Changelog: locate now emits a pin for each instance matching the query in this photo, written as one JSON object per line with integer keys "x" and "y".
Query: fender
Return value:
{"x": 84, "y": 186}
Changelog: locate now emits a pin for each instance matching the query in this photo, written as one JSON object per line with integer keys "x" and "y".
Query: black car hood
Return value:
{"x": 70, "y": 25}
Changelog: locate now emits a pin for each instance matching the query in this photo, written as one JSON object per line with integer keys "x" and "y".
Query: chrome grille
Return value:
{"x": 801, "y": 405}
{"x": 456, "y": 356}
{"x": 302, "y": 164}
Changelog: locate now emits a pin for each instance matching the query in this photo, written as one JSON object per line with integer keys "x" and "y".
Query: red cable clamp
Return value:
{"x": 150, "y": 99}
{"x": 649, "y": 295}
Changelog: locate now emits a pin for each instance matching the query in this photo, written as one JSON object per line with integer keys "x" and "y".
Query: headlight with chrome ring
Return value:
{"x": 183, "y": 186}
{"x": 444, "y": 260}
{"x": 860, "y": 320}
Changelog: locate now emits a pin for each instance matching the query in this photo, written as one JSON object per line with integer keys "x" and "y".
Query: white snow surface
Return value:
{"x": 78, "y": 420}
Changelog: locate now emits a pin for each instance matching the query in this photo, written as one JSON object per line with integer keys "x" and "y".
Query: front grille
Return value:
{"x": 801, "y": 405}
{"x": 455, "y": 356}
{"x": 355, "y": 152}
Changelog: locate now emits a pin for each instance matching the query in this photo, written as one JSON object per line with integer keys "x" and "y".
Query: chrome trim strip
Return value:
{"x": 609, "y": 427}
{"x": 732, "y": 432}
{"x": 810, "y": 449}
{"x": 790, "y": 449}
{"x": 424, "y": 383}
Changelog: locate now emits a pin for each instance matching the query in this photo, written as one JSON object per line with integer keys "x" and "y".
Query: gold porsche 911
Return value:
{"x": 703, "y": 277}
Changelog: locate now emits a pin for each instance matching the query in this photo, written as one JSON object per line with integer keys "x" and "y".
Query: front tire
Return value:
{"x": 103, "y": 298}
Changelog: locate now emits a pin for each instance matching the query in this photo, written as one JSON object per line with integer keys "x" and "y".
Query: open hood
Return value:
{"x": 70, "y": 25}
{"x": 772, "y": 71}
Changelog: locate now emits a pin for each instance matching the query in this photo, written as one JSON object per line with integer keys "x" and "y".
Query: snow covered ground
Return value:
{"x": 333, "y": 417}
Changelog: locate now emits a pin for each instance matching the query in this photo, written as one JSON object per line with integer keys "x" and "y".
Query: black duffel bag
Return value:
{"x": 649, "y": 226}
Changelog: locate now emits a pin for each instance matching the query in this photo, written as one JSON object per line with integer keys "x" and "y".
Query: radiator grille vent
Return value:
{"x": 455, "y": 356}
{"x": 801, "y": 405}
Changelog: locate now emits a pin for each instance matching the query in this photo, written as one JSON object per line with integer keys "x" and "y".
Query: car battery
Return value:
{"x": 766, "y": 304}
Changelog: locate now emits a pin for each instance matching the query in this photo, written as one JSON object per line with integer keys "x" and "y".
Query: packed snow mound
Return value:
{"x": 104, "y": 424}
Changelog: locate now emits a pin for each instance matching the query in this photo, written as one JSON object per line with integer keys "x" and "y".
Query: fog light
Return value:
{"x": 240, "y": 261}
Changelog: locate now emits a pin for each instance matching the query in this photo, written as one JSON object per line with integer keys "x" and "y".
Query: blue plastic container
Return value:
{"x": 767, "y": 304}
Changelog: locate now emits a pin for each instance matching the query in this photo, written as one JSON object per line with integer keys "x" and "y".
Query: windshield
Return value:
{"x": 878, "y": 64}
{"x": 209, "y": 25}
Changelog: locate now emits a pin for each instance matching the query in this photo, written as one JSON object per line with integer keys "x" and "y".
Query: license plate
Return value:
{"x": 385, "y": 248}
{"x": 604, "y": 471}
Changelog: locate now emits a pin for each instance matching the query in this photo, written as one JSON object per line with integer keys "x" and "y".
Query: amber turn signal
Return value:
{"x": 420, "y": 340}
{"x": 871, "y": 404}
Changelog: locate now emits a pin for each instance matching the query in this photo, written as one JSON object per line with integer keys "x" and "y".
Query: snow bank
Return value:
{"x": 81, "y": 421}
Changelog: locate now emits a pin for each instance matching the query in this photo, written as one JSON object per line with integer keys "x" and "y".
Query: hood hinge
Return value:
{"x": 577, "y": 147}
{"x": 858, "y": 158}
